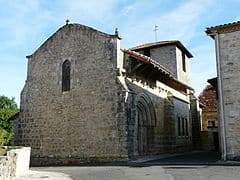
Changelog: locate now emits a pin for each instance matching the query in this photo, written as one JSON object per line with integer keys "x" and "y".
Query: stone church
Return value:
{"x": 87, "y": 99}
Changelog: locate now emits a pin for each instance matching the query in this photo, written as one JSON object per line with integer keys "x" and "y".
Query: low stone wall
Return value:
{"x": 77, "y": 161}
{"x": 15, "y": 163}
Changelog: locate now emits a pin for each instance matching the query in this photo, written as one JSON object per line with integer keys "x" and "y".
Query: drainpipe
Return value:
{"x": 221, "y": 103}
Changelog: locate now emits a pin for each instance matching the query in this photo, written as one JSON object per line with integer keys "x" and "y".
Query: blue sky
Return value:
{"x": 25, "y": 24}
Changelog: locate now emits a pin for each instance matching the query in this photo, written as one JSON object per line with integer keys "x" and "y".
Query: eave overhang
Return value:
{"x": 161, "y": 69}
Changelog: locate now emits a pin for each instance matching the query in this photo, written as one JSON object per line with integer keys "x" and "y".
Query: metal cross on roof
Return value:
{"x": 155, "y": 29}
{"x": 67, "y": 21}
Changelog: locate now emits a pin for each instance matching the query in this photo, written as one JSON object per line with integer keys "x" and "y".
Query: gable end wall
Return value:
{"x": 86, "y": 122}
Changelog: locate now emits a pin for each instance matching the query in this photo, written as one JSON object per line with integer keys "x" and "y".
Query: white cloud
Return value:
{"x": 178, "y": 23}
{"x": 27, "y": 23}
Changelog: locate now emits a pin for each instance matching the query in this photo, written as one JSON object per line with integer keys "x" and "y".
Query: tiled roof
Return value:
{"x": 148, "y": 60}
{"x": 164, "y": 43}
{"x": 213, "y": 28}
{"x": 213, "y": 81}
{"x": 209, "y": 98}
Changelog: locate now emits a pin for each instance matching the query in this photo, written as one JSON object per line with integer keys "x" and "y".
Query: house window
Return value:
{"x": 179, "y": 126}
{"x": 183, "y": 127}
{"x": 211, "y": 124}
{"x": 66, "y": 70}
{"x": 183, "y": 62}
{"x": 186, "y": 122}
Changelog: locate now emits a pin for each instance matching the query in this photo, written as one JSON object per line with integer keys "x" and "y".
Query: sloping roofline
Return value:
{"x": 147, "y": 59}
{"x": 164, "y": 43}
{"x": 224, "y": 28}
{"x": 213, "y": 81}
{"x": 73, "y": 25}
{"x": 160, "y": 68}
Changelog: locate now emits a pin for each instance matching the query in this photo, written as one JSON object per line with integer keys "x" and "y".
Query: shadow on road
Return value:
{"x": 194, "y": 158}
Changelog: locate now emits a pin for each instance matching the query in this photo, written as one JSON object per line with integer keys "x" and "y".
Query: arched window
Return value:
{"x": 66, "y": 70}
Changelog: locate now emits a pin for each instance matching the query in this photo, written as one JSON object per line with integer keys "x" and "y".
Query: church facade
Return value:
{"x": 86, "y": 99}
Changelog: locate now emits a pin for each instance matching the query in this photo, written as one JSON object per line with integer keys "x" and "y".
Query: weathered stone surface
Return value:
{"x": 108, "y": 115}
{"x": 171, "y": 57}
{"x": 15, "y": 163}
{"x": 82, "y": 122}
{"x": 227, "y": 39}
{"x": 229, "y": 64}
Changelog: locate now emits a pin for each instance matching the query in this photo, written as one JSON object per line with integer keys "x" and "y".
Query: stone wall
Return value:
{"x": 96, "y": 119}
{"x": 208, "y": 141}
{"x": 87, "y": 122}
{"x": 7, "y": 167}
{"x": 171, "y": 57}
{"x": 166, "y": 56}
{"x": 229, "y": 44}
{"x": 209, "y": 111}
{"x": 167, "y": 109}
{"x": 15, "y": 163}
{"x": 182, "y": 75}
{"x": 196, "y": 114}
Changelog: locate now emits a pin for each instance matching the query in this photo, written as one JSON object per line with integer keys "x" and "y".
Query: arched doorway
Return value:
{"x": 146, "y": 120}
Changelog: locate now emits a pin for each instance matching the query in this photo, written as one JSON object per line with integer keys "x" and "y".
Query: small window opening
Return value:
{"x": 183, "y": 62}
{"x": 66, "y": 79}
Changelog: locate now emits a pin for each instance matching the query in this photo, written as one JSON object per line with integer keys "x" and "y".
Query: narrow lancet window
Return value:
{"x": 66, "y": 79}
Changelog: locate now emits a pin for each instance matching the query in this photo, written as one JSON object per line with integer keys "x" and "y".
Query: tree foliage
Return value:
{"x": 8, "y": 108}
{"x": 5, "y": 137}
{"x": 7, "y": 103}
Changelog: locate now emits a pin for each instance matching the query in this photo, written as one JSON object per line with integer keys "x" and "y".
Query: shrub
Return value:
{"x": 8, "y": 108}
{"x": 5, "y": 137}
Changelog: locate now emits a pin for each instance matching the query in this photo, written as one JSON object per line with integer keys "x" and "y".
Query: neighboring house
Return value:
{"x": 209, "y": 120}
{"x": 227, "y": 42}
{"x": 86, "y": 99}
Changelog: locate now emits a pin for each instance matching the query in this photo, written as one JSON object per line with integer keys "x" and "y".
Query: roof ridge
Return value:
{"x": 148, "y": 43}
{"x": 155, "y": 64}
{"x": 208, "y": 29}
{"x": 163, "y": 43}
{"x": 77, "y": 25}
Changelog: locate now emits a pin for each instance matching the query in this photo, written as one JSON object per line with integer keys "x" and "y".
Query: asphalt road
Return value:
{"x": 137, "y": 173}
{"x": 193, "y": 166}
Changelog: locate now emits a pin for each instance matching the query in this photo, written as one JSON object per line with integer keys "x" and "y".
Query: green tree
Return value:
{"x": 7, "y": 103}
{"x": 8, "y": 108}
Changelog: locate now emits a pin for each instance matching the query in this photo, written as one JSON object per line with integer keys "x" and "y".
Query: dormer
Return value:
{"x": 172, "y": 55}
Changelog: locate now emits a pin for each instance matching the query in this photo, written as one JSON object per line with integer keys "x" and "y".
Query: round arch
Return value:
{"x": 145, "y": 121}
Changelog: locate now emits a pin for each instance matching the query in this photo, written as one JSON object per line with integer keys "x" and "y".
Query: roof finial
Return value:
{"x": 116, "y": 32}
{"x": 67, "y": 21}
{"x": 155, "y": 29}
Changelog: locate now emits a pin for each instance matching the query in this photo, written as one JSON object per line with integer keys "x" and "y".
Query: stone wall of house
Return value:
{"x": 207, "y": 140}
{"x": 206, "y": 118}
{"x": 183, "y": 76}
{"x": 171, "y": 57}
{"x": 229, "y": 44}
{"x": 166, "y": 56}
{"x": 209, "y": 111}
{"x": 182, "y": 110}
{"x": 89, "y": 121}
{"x": 196, "y": 114}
